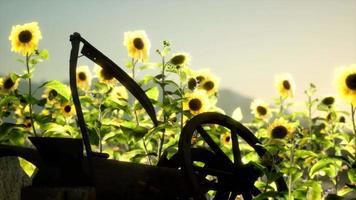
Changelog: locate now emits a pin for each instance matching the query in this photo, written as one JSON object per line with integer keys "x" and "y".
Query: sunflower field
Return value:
{"x": 313, "y": 148}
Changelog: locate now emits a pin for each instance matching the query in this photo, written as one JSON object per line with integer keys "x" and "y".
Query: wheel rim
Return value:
{"x": 237, "y": 168}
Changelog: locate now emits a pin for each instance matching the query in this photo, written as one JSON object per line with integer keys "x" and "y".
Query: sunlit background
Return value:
{"x": 245, "y": 43}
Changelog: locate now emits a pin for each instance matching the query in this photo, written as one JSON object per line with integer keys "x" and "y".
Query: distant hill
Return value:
{"x": 229, "y": 100}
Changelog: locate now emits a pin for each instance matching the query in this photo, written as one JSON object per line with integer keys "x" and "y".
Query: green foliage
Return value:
{"x": 319, "y": 147}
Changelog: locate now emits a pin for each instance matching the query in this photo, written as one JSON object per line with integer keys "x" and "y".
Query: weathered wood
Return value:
{"x": 58, "y": 193}
{"x": 12, "y": 178}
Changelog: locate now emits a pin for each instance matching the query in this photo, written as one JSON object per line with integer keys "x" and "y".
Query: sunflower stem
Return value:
{"x": 290, "y": 184}
{"x": 181, "y": 99}
{"x": 30, "y": 94}
{"x": 163, "y": 80}
{"x": 134, "y": 62}
{"x": 99, "y": 129}
{"x": 310, "y": 124}
{"x": 354, "y": 126}
{"x": 133, "y": 76}
{"x": 281, "y": 101}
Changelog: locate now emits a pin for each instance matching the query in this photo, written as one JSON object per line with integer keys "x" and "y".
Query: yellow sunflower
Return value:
{"x": 67, "y": 109}
{"x": 260, "y": 109}
{"x": 25, "y": 121}
{"x": 281, "y": 129}
{"x": 22, "y": 110}
{"x": 137, "y": 44}
{"x": 104, "y": 75}
{"x": 192, "y": 83}
{"x": 7, "y": 84}
{"x": 180, "y": 59}
{"x": 196, "y": 102}
{"x": 119, "y": 93}
{"x": 49, "y": 94}
{"x": 24, "y": 38}
{"x": 285, "y": 85}
{"x": 345, "y": 81}
{"x": 83, "y": 77}
{"x": 207, "y": 81}
{"x": 225, "y": 139}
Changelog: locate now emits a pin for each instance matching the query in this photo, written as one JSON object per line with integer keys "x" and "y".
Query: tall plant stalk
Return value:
{"x": 134, "y": 62}
{"x": 353, "y": 125}
{"x": 163, "y": 80}
{"x": 30, "y": 94}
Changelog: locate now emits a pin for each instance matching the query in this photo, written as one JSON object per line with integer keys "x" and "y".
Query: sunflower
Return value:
{"x": 225, "y": 139}
{"x": 345, "y": 80}
{"x": 83, "y": 77}
{"x": 49, "y": 94}
{"x": 26, "y": 123}
{"x": 260, "y": 109}
{"x": 180, "y": 59}
{"x": 207, "y": 81}
{"x": 104, "y": 75}
{"x": 280, "y": 129}
{"x": 22, "y": 110}
{"x": 8, "y": 84}
{"x": 192, "y": 83}
{"x": 67, "y": 109}
{"x": 285, "y": 85}
{"x": 119, "y": 93}
{"x": 137, "y": 44}
{"x": 24, "y": 38}
{"x": 196, "y": 102}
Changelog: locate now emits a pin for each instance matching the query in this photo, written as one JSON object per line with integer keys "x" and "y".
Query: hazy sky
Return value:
{"x": 245, "y": 43}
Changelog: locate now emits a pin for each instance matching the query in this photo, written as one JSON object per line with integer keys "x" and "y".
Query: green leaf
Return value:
{"x": 6, "y": 130}
{"x": 44, "y": 54}
{"x": 27, "y": 75}
{"x": 137, "y": 132}
{"x": 352, "y": 175}
{"x": 321, "y": 164}
{"x": 265, "y": 195}
{"x": 8, "y": 99}
{"x": 314, "y": 190}
{"x": 59, "y": 87}
{"x": 153, "y": 93}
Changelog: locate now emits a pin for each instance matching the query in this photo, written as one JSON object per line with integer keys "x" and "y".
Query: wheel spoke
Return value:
{"x": 235, "y": 148}
{"x": 214, "y": 146}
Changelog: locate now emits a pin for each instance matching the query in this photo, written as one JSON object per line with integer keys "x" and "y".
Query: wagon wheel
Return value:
{"x": 233, "y": 177}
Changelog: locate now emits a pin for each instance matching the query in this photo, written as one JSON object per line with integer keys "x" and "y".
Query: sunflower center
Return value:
{"x": 279, "y": 132}
{"x": 106, "y": 74}
{"x": 67, "y": 108}
{"x": 82, "y": 76}
{"x": 25, "y": 36}
{"x": 8, "y": 84}
{"x": 342, "y": 119}
{"x": 52, "y": 94}
{"x": 351, "y": 81}
{"x": 178, "y": 60}
{"x": 261, "y": 110}
{"x": 209, "y": 85}
{"x": 195, "y": 104}
{"x": 328, "y": 101}
{"x": 200, "y": 79}
{"x": 138, "y": 43}
{"x": 227, "y": 139}
{"x": 192, "y": 83}
{"x": 28, "y": 124}
{"x": 286, "y": 84}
